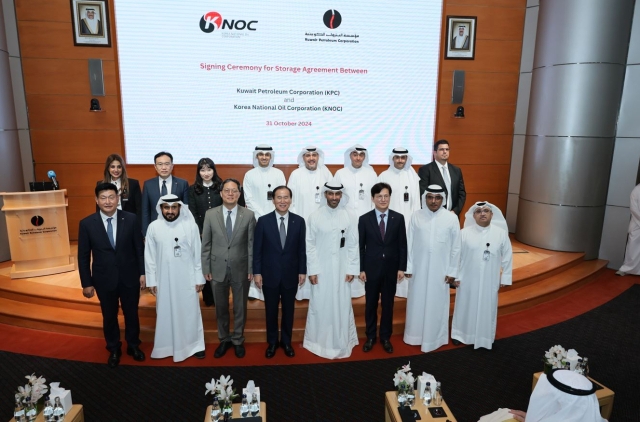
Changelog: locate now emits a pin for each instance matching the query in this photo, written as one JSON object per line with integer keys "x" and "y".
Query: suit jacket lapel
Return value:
{"x": 440, "y": 178}
{"x": 220, "y": 218}
{"x": 239, "y": 219}
{"x": 101, "y": 228}
{"x": 292, "y": 221}
{"x": 120, "y": 228}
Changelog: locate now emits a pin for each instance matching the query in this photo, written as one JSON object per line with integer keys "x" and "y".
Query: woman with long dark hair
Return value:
{"x": 129, "y": 193}
{"x": 204, "y": 194}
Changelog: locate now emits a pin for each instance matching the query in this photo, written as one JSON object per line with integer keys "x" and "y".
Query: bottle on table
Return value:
{"x": 244, "y": 407}
{"x": 437, "y": 396}
{"x": 428, "y": 395}
{"x": 48, "y": 410}
{"x": 567, "y": 366}
{"x": 215, "y": 409}
{"x": 254, "y": 406}
{"x": 580, "y": 367}
{"x": 18, "y": 412}
{"x": 58, "y": 410}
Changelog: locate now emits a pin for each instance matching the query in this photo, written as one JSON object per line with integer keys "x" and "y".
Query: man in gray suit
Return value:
{"x": 227, "y": 259}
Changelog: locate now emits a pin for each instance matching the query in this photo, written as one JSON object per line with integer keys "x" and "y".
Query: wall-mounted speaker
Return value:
{"x": 457, "y": 93}
{"x": 96, "y": 80}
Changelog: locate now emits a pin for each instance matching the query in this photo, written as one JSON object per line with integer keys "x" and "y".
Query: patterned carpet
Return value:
{"x": 475, "y": 382}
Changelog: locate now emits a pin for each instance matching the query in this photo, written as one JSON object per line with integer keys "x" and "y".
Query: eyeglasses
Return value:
{"x": 167, "y": 164}
{"x": 482, "y": 211}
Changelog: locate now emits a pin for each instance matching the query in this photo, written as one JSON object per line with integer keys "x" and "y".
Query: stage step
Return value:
{"x": 64, "y": 309}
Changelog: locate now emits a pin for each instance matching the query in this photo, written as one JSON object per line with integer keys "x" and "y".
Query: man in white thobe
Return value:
{"x": 174, "y": 275}
{"x": 258, "y": 186}
{"x": 631, "y": 263}
{"x": 405, "y": 183}
{"x": 306, "y": 183}
{"x": 486, "y": 261}
{"x": 560, "y": 396}
{"x": 332, "y": 262}
{"x": 357, "y": 177}
{"x": 433, "y": 244}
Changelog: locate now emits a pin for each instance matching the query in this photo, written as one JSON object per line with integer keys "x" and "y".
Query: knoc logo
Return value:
{"x": 211, "y": 21}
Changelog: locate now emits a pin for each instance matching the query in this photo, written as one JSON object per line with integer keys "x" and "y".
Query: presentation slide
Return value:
{"x": 214, "y": 79}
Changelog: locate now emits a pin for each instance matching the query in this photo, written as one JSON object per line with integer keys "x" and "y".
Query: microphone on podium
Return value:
{"x": 52, "y": 175}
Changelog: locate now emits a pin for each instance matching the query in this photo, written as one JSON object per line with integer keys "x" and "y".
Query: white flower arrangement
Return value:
{"x": 221, "y": 388}
{"x": 404, "y": 377}
{"x": 555, "y": 357}
{"x": 33, "y": 390}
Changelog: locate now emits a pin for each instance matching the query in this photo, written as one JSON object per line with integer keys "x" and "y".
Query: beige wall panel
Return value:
{"x": 74, "y": 146}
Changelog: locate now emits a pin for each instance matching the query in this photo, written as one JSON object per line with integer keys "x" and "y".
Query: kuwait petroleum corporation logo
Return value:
{"x": 37, "y": 220}
{"x": 332, "y": 19}
{"x": 211, "y": 21}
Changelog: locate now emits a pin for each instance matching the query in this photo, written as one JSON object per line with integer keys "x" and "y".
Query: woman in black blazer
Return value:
{"x": 128, "y": 189}
{"x": 204, "y": 194}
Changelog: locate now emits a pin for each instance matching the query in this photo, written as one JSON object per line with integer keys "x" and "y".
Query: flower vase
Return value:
{"x": 401, "y": 393}
{"x": 31, "y": 411}
{"x": 227, "y": 408}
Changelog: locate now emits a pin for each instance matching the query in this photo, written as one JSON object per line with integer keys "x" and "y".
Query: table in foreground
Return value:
{"x": 391, "y": 409}
{"x": 236, "y": 412}
{"x": 76, "y": 414}
{"x": 604, "y": 395}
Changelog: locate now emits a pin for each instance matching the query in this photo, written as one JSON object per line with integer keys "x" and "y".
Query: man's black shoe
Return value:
{"x": 387, "y": 346}
{"x": 114, "y": 358}
{"x": 456, "y": 342}
{"x": 369, "y": 345}
{"x": 240, "y": 352}
{"x": 199, "y": 355}
{"x": 271, "y": 351}
{"x": 288, "y": 350}
{"x": 222, "y": 349}
{"x": 138, "y": 355}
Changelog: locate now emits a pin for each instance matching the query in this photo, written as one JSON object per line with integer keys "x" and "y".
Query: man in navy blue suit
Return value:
{"x": 280, "y": 266}
{"x": 164, "y": 184}
{"x": 114, "y": 239}
{"x": 383, "y": 261}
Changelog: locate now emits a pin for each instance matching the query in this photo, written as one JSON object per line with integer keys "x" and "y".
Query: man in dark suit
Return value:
{"x": 227, "y": 260}
{"x": 280, "y": 266}
{"x": 159, "y": 186}
{"x": 383, "y": 260}
{"x": 114, "y": 240}
{"x": 441, "y": 172}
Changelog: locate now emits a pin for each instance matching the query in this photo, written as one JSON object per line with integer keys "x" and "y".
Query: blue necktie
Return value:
{"x": 110, "y": 233}
{"x": 163, "y": 192}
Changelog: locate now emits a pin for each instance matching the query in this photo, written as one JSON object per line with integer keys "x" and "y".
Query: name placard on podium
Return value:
{"x": 38, "y": 233}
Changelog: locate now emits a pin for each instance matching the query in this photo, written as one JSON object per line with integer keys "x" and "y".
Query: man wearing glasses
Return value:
{"x": 227, "y": 260}
{"x": 485, "y": 266}
{"x": 164, "y": 184}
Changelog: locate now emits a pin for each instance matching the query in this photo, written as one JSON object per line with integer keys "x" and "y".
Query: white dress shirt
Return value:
{"x": 286, "y": 221}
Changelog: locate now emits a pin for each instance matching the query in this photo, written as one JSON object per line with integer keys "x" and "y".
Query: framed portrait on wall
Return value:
{"x": 461, "y": 38}
{"x": 90, "y": 23}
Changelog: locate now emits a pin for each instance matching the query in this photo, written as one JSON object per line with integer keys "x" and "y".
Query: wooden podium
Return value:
{"x": 38, "y": 233}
